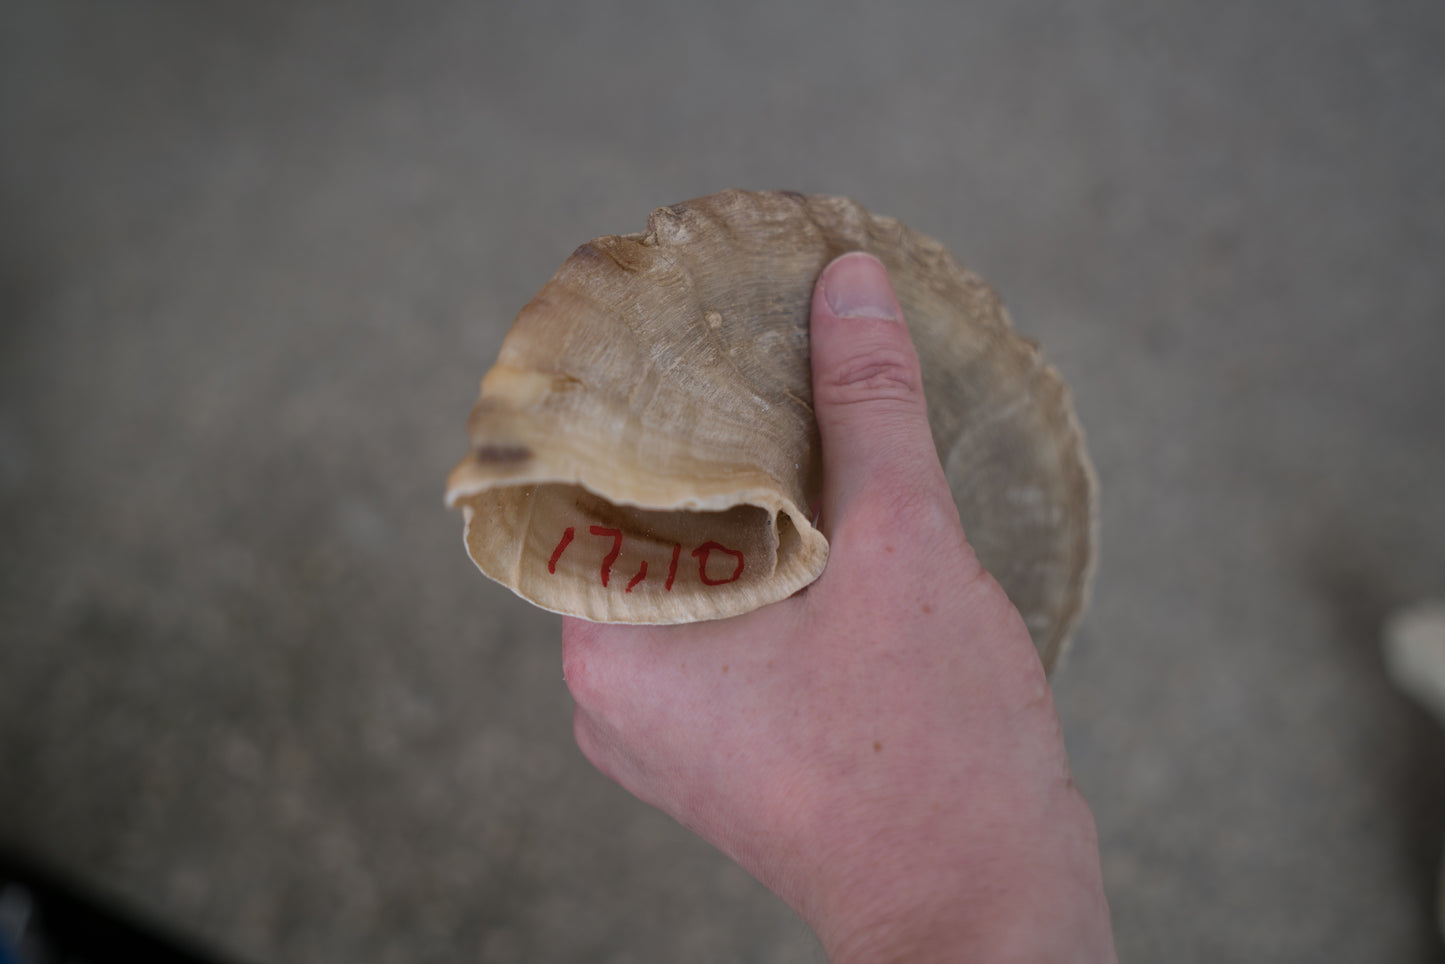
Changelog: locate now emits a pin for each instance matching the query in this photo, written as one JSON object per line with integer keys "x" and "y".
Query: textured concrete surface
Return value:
{"x": 254, "y": 258}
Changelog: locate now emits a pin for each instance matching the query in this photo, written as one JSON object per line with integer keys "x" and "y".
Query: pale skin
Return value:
{"x": 881, "y": 750}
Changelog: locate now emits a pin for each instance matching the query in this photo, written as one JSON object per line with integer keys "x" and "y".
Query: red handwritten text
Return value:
{"x": 611, "y": 557}
{"x": 672, "y": 569}
{"x": 641, "y": 575}
{"x": 557, "y": 552}
{"x": 701, "y": 554}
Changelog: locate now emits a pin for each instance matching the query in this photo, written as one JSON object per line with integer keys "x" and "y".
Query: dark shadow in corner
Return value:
{"x": 48, "y": 917}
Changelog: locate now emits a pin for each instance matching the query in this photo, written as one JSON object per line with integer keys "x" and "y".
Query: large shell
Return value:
{"x": 645, "y": 450}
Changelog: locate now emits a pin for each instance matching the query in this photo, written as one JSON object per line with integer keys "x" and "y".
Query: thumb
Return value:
{"x": 868, "y": 390}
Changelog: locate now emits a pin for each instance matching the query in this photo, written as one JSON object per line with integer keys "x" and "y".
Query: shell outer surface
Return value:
{"x": 644, "y": 448}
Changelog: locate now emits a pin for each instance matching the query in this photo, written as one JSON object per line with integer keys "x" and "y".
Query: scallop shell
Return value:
{"x": 644, "y": 449}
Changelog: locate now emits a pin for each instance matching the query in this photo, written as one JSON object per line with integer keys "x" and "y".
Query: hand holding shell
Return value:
{"x": 644, "y": 449}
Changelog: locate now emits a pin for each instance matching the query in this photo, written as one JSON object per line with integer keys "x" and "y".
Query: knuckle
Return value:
{"x": 885, "y": 372}
{"x": 591, "y": 745}
{"x": 907, "y": 507}
{"x": 578, "y": 664}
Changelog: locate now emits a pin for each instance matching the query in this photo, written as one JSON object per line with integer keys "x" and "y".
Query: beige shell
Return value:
{"x": 645, "y": 451}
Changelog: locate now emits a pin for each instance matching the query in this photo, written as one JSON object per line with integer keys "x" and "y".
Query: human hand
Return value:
{"x": 881, "y": 750}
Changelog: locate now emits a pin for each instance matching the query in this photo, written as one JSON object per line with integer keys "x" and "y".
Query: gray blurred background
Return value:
{"x": 255, "y": 257}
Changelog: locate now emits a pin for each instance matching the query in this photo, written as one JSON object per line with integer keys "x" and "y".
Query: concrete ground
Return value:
{"x": 254, "y": 258}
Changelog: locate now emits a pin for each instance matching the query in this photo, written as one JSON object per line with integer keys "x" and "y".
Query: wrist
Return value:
{"x": 998, "y": 898}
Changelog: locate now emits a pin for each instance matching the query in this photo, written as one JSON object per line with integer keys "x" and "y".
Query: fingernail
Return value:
{"x": 856, "y": 286}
